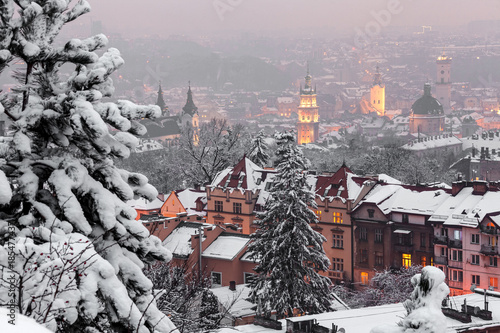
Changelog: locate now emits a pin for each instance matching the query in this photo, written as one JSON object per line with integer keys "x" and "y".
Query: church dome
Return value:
{"x": 427, "y": 105}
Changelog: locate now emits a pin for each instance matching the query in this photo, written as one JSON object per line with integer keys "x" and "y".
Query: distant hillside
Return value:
{"x": 177, "y": 62}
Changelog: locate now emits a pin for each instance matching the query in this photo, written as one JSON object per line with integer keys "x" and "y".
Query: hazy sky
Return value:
{"x": 194, "y": 17}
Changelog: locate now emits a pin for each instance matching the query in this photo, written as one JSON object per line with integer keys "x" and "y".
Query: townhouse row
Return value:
{"x": 370, "y": 224}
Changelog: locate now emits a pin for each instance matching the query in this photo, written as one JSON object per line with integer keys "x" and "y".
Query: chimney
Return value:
{"x": 232, "y": 285}
{"x": 457, "y": 187}
{"x": 161, "y": 196}
{"x": 480, "y": 187}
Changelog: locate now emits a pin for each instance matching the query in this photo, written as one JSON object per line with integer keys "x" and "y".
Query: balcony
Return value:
{"x": 489, "y": 230}
{"x": 489, "y": 250}
{"x": 455, "y": 284}
{"x": 455, "y": 243}
{"x": 443, "y": 240}
{"x": 405, "y": 247}
{"x": 441, "y": 260}
{"x": 336, "y": 275}
{"x": 455, "y": 264}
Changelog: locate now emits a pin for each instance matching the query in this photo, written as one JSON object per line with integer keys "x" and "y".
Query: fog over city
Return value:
{"x": 322, "y": 166}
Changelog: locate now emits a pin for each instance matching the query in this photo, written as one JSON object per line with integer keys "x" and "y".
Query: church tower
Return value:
{"x": 307, "y": 125}
{"x": 189, "y": 115}
{"x": 443, "y": 83}
{"x": 161, "y": 102}
{"x": 377, "y": 94}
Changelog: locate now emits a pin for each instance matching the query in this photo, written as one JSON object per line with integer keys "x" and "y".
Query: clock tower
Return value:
{"x": 443, "y": 84}
{"x": 307, "y": 125}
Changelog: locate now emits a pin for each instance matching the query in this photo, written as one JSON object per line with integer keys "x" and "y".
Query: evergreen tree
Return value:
{"x": 289, "y": 252}
{"x": 210, "y": 315}
{"x": 69, "y": 244}
{"x": 259, "y": 150}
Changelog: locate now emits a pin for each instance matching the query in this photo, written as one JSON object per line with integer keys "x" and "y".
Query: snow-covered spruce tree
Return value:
{"x": 289, "y": 252}
{"x": 70, "y": 246}
{"x": 259, "y": 150}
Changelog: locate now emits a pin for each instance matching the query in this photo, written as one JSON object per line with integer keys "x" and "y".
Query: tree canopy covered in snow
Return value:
{"x": 259, "y": 151}
{"x": 288, "y": 251}
{"x": 424, "y": 314}
{"x": 78, "y": 251}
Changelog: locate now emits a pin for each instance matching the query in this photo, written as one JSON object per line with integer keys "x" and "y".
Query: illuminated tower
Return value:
{"x": 377, "y": 94}
{"x": 443, "y": 83}
{"x": 308, "y": 125}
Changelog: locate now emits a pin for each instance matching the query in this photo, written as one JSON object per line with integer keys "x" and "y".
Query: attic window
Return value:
{"x": 227, "y": 182}
{"x": 259, "y": 180}
{"x": 240, "y": 180}
{"x": 268, "y": 186}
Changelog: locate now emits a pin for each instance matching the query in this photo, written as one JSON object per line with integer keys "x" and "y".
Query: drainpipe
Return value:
{"x": 200, "y": 251}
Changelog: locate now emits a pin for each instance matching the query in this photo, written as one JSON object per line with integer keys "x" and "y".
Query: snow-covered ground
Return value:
{"x": 22, "y": 324}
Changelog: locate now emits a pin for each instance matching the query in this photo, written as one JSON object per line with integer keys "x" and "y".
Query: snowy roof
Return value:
{"x": 343, "y": 183}
{"x": 188, "y": 198}
{"x": 363, "y": 320}
{"x": 226, "y": 246}
{"x": 245, "y": 175}
{"x": 144, "y": 204}
{"x": 235, "y": 301}
{"x": 405, "y": 198}
{"x": 431, "y": 142}
{"x": 466, "y": 208}
{"x": 179, "y": 240}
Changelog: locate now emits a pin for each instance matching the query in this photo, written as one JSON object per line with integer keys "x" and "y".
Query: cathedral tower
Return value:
{"x": 443, "y": 83}
{"x": 377, "y": 94}
{"x": 307, "y": 125}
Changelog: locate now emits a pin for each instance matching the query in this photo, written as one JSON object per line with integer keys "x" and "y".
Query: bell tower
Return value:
{"x": 377, "y": 94}
{"x": 443, "y": 84}
{"x": 307, "y": 125}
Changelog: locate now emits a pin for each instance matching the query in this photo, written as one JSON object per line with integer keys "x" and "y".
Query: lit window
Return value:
{"x": 318, "y": 214}
{"x": 337, "y": 217}
{"x": 364, "y": 278}
{"x": 423, "y": 261}
{"x": 406, "y": 260}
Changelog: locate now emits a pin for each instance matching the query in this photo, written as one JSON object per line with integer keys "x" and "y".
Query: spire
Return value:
{"x": 190, "y": 108}
{"x": 160, "y": 101}
{"x": 307, "y": 86}
{"x": 377, "y": 79}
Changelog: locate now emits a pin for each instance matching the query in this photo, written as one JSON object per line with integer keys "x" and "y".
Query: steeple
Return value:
{"x": 160, "y": 102}
{"x": 190, "y": 108}
{"x": 377, "y": 79}
{"x": 308, "y": 90}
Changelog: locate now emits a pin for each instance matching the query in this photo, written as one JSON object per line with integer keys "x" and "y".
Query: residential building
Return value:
{"x": 466, "y": 229}
{"x": 391, "y": 228}
{"x": 236, "y": 194}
